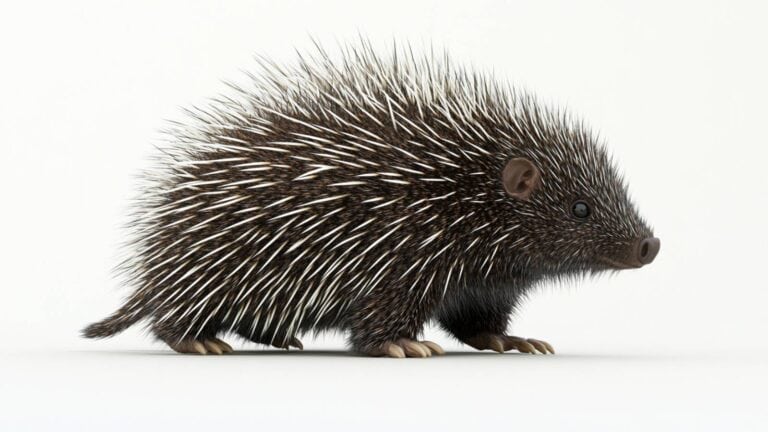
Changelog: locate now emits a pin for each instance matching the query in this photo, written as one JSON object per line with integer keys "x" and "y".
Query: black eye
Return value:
{"x": 580, "y": 209}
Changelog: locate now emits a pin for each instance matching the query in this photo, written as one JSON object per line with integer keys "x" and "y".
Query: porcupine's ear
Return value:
{"x": 520, "y": 178}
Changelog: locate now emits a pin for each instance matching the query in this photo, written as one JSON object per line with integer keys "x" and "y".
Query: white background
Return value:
{"x": 678, "y": 89}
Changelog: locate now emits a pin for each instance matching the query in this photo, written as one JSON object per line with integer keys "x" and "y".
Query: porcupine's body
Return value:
{"x": 370, "y": 195}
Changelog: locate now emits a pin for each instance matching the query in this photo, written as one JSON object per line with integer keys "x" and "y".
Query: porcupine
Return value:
{"x": 371, "y": 194}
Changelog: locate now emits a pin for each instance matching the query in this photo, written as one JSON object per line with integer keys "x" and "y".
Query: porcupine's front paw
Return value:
{"x": 202, "y": 346}
{"x": 501, "y": 343}
{"x": 405, "y": 347}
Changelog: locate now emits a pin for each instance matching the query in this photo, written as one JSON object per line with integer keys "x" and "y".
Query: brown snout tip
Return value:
{"x": 647, "y": 250}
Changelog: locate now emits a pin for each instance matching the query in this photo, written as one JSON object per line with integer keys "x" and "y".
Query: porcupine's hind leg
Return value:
{"x": 179, "y": 338}
{"x": 388, "y": 320}
{"x": 479, "y": 317}
{"x": 201, "y": 344}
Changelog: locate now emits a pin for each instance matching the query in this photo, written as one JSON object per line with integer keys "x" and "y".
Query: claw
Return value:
{"x": 435, "y": 348}
{"x": 394, "y": 351}
{"x": 502, "y": 343}
{"x": 296, "y": 344}
{"x": 526, "y": 347}
{"x": 495, "y": 343}
{"x": 212, "y": 346}
{"x": 539, "y": 345}
{"x": 202, "y": 347}
{"x": 405, "y": 347}
{"x": 413, "y": 348}
{"x": 549, "y": 347}
{"x": 287, "y": 344}
{"x": 225, "y": 347}
{"x": 189, "y": 347}
{"x": 198, "y": 347}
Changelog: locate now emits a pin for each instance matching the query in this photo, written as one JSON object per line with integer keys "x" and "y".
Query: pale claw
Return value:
{"x": 198, "y": 348}
{"x": 205, "y": 346}
{"x": 520, "y": 344}
{"x": 502, "y": 343}
{"x": 189, "y": 347}
{"x": 394, "y": 351}
{"x": 405, "y": 347}
{"x": 541, "y": 346}
{"x": 526, "y": 347}
{"x": 548, "y": 346}
{"x": 497, "y": 344}
{"x": 435, "y": 348}
{"x": 413, "y": 348}
{"x": 223, "y": 345}
{"x": 213, "y": 347}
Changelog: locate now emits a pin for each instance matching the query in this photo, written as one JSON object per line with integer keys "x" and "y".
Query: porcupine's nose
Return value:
{"x": 647, "y": 249}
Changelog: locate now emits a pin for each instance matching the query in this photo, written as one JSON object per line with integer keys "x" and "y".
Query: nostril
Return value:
{"x": 644, "y": 250}
{"x": 648, "y": 249}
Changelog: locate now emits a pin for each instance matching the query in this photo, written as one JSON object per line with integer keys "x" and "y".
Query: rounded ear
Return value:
{"x": 520, "y": 178}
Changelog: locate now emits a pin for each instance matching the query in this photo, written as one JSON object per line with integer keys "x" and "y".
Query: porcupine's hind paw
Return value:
{"x": 202, "y": 346}
{"x": 405, "y": 347}
{"x": 502, "y": 343}
{"x": 293, "y": 342}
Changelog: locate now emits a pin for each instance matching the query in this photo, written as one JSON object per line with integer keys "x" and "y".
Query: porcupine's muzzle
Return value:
{"x": 639, "y": 253}
{"x": 647, "y": 249}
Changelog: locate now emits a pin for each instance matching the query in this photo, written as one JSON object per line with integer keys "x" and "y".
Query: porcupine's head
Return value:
{"x": 568, "y": 199}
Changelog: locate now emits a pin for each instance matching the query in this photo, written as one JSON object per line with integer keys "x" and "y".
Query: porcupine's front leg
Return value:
{"x": 479, "y": 318}
{"x": 387, "y": 322}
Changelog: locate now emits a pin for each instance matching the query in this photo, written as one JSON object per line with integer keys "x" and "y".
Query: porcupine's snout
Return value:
{"x": 647, "y": 249}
